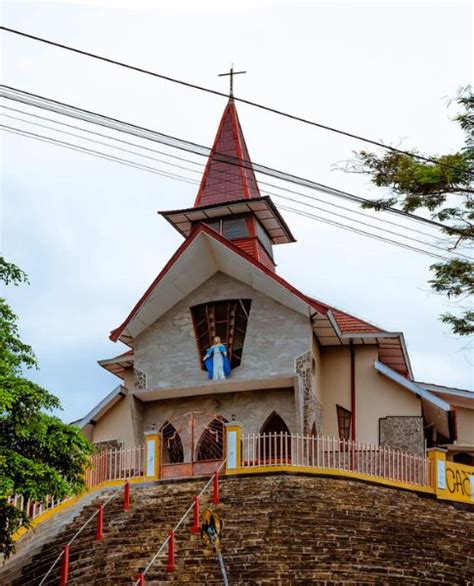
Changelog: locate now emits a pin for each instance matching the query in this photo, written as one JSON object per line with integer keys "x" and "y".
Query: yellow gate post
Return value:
{"x": 152, "y": 455}
{"x": 233, "y": 452}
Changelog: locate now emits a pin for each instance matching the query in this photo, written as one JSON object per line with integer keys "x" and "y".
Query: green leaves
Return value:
{"x": 445, "y": 189}
{"x": 40, "y": 456}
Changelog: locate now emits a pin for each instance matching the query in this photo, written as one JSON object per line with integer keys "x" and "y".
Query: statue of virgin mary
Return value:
{"x": 216, "y": 361}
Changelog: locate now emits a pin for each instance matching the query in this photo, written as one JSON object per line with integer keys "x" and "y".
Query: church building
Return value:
{"x": 219, "y": 337}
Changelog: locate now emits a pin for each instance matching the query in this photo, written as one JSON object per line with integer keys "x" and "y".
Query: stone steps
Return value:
{"x": 279, "y": 529}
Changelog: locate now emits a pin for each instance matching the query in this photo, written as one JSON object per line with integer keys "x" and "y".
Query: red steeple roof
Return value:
{"x": 227, "y": 176}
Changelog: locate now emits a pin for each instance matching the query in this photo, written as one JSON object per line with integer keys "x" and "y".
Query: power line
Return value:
{"x": 93, "y": 153}
{"x": 188, "y": 146}
{"x": 357, "y": 231}
{"x": 128, "y": 151}
{"x": 242, "y": 100}
{"x": 181, "y": 178}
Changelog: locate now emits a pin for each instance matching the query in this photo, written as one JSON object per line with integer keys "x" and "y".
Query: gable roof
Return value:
{"x": 201, "y": 255}
{"x": 229, "y": 174}
{"x": 206, "y": 252}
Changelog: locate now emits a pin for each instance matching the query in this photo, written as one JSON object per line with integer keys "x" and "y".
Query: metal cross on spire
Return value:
{"x": 231, "y": 74}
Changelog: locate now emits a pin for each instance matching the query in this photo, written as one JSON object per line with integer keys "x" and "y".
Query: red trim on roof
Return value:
{"x": 319, "y": 307}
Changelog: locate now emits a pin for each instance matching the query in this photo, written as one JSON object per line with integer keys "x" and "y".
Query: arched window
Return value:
{"x": 173, "y": 452}
{"x": 226, "y": 319}
{"x": 275, "y": 443}
{"x": 211, "y": 442}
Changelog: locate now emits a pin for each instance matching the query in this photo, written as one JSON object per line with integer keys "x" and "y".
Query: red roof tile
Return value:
{"x": 349, "y": 323}
{"x": 227, "y": 177}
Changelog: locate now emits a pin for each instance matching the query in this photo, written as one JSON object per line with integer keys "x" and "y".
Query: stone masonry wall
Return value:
{"x": 167, "y": 352}
{"x": 404, "y": 433}
{"x": 250, "y": 408}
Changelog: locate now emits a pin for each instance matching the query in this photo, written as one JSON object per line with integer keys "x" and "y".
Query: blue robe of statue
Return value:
{"x": 217, "y": 363}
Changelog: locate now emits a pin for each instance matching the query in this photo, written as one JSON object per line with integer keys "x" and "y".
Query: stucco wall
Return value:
{"x": 123, "y": 422}
{"x": 167, "y": 351}
{"x": 316, "y": 372}
{"x": 465, "y": 425}
{"x": 335, "y": 386}
{"x": 376, "y": 395}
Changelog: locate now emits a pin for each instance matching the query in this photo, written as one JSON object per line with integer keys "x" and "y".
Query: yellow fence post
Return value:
{"x": 152, "y": 455}
{"x": 437, "y": 457}
{"x": 233, "y": 443}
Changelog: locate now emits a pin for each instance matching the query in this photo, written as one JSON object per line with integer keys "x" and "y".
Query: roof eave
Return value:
{"x": 411, "y": 386}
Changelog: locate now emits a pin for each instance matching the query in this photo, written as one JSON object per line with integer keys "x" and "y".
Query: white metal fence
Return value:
{"x": 116, "y": 464}
{"x": 282, "y": 449}
{"x": 107, "y": 465}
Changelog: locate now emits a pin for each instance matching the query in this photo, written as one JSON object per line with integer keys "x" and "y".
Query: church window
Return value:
{"x": 235, "y": 228}
{"x": 264, "y": 239}
{"x": 211, "y": 442}
{"x": 232, "y": 228}
{"x": 173, "y": 452}
{"x": 344, "y": 418}
{"x": 226, "y": 319}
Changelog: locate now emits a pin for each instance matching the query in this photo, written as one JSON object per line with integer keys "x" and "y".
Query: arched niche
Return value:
{"x": 274, "y": 424}
{"x": 172, "y": 445}
{"x": 275, "y": 441}
{"x": 211, "y": 443}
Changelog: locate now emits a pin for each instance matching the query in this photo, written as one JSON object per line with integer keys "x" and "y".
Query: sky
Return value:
{"x": 86, "y": 230}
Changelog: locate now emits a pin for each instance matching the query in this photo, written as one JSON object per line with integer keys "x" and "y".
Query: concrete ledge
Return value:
{"x": 283, "y": 381}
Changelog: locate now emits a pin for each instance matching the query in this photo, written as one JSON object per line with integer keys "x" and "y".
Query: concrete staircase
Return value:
{"x": 279, "y": 529}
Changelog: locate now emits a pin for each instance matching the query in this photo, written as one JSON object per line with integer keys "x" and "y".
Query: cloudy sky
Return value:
{"x": 86, "y": 230}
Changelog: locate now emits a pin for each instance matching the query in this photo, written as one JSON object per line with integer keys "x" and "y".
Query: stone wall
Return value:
{"x": 311, "y": 403}
{"x": 404, "y": 433}
{"x": 167, "y": 352}
{"x": 249, "y": 408}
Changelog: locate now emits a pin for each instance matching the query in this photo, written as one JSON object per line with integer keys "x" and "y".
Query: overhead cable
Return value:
{"x": 222, "y": 94}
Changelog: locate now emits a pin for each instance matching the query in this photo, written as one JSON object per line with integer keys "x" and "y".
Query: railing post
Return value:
{"x": 64, "y": 566}
{"x": 170, "y": 566}
{"x": 152, "y": 458}
{"x": 215, "y": 489}
{"x": 196, "y": 528}
{"x": 100, "y": 523}
{"x": 126, "y": 496}
{"x": 437, "y": 457}
{"x": 233, "y": 433}
{"x": 141, "y": 579}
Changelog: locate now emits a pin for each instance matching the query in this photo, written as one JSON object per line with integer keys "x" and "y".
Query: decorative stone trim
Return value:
{"x": 140, "y": 380}
{"x": 312, "y": 407}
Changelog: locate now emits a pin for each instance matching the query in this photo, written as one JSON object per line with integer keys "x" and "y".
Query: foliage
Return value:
{"x": 445, "y": 189}
{"x": 40, "y": 455}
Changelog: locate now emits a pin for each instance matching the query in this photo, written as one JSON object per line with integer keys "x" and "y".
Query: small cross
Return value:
{"x": 231, "y": 74}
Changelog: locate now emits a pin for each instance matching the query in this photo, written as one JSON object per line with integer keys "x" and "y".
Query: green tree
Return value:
{"x": 40, "y": 455}
{"x": 444, "y": 188}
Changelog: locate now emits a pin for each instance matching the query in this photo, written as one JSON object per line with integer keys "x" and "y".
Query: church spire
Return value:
{"x": 229, "y": 200}
{"x": 229, "y": 174}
